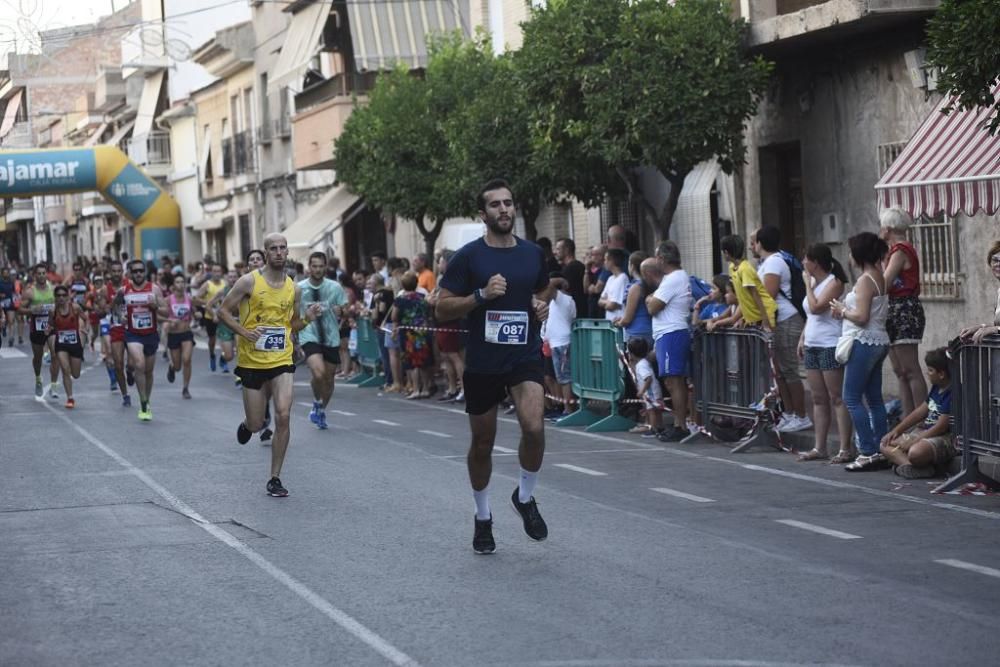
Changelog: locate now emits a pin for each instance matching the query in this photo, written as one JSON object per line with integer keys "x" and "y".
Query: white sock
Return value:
{"x": 482, "y": 503}
{"x": 527, "y": 486}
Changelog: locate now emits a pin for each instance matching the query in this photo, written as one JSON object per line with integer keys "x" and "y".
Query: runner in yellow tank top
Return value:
{"x": 268, "y": 303}
{"x": 203, "y": 297}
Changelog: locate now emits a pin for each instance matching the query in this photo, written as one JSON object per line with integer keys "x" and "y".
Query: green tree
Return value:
{"x": 629, "y": 84}
{"x": 964, "y": 42}
{"x": 487, "y": 127}
{"x": 384, "y": 153}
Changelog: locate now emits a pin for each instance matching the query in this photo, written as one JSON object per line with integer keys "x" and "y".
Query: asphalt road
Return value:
{"x": 129, "y": 543}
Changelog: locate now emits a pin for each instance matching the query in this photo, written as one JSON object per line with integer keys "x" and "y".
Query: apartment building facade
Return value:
{"x": 60, "y": 97}
{"x": 850, "y": 90}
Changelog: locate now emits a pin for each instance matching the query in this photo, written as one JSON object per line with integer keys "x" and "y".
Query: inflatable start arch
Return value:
{"x": 107, "y": 170}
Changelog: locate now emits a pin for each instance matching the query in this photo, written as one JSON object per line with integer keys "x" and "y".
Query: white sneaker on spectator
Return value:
{"x": 786, "y": 423}
{"x": 805, "y": 423}
{"x": 793, "y": 423}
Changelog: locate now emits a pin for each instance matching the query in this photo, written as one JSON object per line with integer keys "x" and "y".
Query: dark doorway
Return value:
{"x": 246, "y": 241}
{"x": 781, "y": 194}
{"x": 364, "y": 233}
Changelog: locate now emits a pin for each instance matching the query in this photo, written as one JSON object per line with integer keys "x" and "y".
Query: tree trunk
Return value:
{"x": 430, "y": 234}
{"x": 635, "y": 192}
{"x": 529, "y": 213}
{"x": 666, "y": 217}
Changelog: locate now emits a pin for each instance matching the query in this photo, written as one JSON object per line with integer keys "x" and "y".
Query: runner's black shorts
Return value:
{"x": 38, "y": 337}
{"x": 210, "y": 326}
{"x": 331, "y": 355}
{"x": 484, "y": 391}
{"x": 75, "y": 351}
{"x": 254, "y": 378}
{"x": 174, "y": 340}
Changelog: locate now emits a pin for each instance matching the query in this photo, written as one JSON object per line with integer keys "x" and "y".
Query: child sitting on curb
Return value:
{"x": 915, "y": 455}
{"x": 648, "y": 388}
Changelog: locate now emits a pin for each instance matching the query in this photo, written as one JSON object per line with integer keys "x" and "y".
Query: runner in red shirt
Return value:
{"x": 115, "y": 317}
{"x": 68, "y": 325}
{"x": 143, "y": 302}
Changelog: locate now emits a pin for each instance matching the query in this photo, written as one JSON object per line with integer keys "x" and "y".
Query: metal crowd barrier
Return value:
{"x": 369, "y": 357}
{"x": 595, "y": 348}
{"x": 975, "y": 387}
{"x": 733, "y": 377}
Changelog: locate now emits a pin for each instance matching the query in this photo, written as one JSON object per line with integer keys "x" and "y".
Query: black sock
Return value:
{"x": 144, "y": 404}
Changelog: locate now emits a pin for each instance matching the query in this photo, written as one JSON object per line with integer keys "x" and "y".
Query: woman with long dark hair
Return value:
{"x": 864, "y": 313}
{"x": 825, "y": 281}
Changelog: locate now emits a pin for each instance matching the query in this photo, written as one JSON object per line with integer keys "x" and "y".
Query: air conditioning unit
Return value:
{"x": 833, "y": 231}
{"x": 915, "y": 61}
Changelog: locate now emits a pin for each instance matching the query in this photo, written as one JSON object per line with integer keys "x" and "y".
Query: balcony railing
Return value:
{"x": 19, "y": 136}
{"x": 153, "y": 149}
{"x": 238, "y": 154}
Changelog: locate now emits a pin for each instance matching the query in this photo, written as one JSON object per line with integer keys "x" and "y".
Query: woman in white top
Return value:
{"x": 864, "y": 314}
{"x": 825, "y": 280}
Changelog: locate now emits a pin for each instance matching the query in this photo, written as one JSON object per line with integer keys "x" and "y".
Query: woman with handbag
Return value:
{"x": 863, "y": 347}
{"x": 825, "y": 281}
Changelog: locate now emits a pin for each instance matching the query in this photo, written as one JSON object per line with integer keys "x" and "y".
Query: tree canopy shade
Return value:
{"x": 388, "y": 151}
{"x": 626, "y": 84}
{"x": 964, "y": 42}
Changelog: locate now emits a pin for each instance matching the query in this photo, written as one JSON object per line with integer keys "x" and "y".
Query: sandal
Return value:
{"x": 843, "y": 456}
{"x": 866, "y": 463}
{"x": 813, "y": 455}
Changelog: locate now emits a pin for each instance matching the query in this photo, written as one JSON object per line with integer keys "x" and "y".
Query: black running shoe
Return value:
{"x": 275, "y": 489}
{"x": 129, "y": 376}
{"x": 170, "y": 374}
{"x": 534, "y": 524}
{"x": 673, "y": 434}
{"x": 243, "y": 434}
{"x": 266, "y": 434}
{"x": 482, "y": 540}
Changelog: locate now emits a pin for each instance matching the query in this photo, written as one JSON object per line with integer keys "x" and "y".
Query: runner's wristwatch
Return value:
{"x": 480, "y": 296}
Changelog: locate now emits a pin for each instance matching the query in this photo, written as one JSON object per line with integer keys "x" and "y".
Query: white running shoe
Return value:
{"x": 804, "y": 423}
{"x": 786, "y": 423}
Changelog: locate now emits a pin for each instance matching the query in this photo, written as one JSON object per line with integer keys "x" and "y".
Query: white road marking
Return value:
{"x": 971, "y": 567}
{"x": 341, "y": 618}
{"x": 504, "y": 450}
{"x": 681, "y": 494}
{"x": 436, "y": 434}
{"x": 585, "y": 471}
{"x": 673, "y": 450}
{"x": 344, "y": 412}
{"x": 11, "y": 353}
{"x": 818, "y": 529}
{"x": 385, "y": 421}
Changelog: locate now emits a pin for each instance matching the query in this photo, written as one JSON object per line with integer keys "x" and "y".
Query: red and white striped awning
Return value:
{"x": 950, "y": 165}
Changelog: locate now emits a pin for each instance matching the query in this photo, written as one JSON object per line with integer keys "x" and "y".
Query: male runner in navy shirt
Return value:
{"x": 499, "y": 283}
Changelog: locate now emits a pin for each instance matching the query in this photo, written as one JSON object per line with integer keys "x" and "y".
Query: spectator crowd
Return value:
{"x": 828, "y": 334}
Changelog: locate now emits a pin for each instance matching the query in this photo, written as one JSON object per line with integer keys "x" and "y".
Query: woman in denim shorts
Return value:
{"x": 825, "y": 282}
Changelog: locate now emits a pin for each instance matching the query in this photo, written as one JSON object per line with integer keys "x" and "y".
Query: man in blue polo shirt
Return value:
{"x": 499, "y": 283}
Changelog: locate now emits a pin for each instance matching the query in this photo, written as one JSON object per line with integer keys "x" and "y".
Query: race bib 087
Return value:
{"x": 506, "y": 327}
{"x": 272, "y": 339}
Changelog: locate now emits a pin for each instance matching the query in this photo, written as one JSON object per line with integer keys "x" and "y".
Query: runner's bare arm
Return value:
{"x": 26, "y": 297}
{"x": 312, "y": 312}
{"x": 241, "y": 290}
{"x": 84, "y": 325}
{"x": 162, "y": 307}
{"x": 453, "y": 307}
